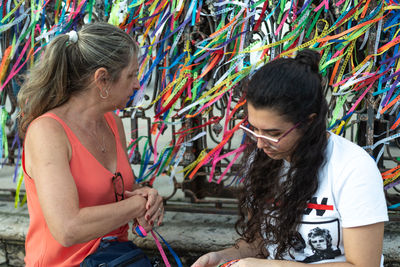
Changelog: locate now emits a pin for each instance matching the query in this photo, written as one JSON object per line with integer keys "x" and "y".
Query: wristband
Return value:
{"x": 229, "y": 263}
{"x": 140, "y": 231}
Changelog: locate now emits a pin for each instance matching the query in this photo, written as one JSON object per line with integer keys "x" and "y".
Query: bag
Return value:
{"x": 112, "y": 253}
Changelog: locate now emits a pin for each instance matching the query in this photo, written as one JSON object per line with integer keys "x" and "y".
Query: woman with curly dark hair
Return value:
{"x": 299, "y": 176}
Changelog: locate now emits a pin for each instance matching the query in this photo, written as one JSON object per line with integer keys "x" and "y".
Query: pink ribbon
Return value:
{"x": 15, "y": 70}
{"x": 160, "y": 249}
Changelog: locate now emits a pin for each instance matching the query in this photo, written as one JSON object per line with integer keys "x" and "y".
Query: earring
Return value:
{"x": 104, "y": 96}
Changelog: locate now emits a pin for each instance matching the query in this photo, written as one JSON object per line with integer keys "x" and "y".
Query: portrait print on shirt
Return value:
{"x": 320, "y": 241}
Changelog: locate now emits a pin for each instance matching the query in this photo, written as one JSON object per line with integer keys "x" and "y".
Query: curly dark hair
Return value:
{"x": 270, "y": 205}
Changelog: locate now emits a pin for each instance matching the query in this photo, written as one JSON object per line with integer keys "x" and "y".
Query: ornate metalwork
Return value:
{"x": 365, "y": 129}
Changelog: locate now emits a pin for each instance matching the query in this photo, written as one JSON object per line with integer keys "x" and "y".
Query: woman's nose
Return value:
{"x": 260, "y": 143}
{"x": 136, "y": 84}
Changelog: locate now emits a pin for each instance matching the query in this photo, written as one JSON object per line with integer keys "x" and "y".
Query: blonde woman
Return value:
{"x": 79, "y": 182}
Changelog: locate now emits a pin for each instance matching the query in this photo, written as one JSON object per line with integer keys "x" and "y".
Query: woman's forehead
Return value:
{"x": 133, "y": 64}
{"x": 265, "y": 118}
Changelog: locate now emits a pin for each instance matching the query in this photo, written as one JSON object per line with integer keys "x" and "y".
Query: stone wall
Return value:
{"x": 189, "y": 234}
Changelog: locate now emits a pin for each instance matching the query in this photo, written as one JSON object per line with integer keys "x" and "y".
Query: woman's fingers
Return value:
{"x": 150, "y": 194}
{"x": 208, "y": 260}
{"x": 152, "y": 198}
{"x": 155, "y": 210}
{"x": 160, "y": 217}
{"x": 201, "y": 262}
{"x": 136, "y": 192}
{"x": 154, "y": 204}
{"x": 141, "y": 227}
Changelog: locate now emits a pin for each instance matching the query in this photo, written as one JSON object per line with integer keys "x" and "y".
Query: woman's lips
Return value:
{"x": 269, "y": 151}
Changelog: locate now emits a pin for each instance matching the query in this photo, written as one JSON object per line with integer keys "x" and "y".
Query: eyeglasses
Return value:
{"x": 264, "y": 138}
{"x": 118, "y": 183}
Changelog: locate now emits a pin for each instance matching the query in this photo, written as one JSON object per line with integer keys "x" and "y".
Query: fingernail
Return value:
{"x": 151, "y": 223}
{"x": 147, "y": 217}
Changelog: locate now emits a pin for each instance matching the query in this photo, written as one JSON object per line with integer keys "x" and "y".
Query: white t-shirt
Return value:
{"x": 350, "y": 193}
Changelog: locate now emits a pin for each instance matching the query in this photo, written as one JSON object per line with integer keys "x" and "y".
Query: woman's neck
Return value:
{"x": 85, "y": 107}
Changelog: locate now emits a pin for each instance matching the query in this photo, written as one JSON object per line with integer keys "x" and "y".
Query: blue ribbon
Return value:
{"x": 178, "y": 261}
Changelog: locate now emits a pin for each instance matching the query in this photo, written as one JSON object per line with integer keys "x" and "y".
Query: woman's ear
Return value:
{"x": 101, "y": 77}
{"x": 311, "y": 117}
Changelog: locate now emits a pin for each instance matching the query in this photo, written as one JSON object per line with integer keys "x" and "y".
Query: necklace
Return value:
{"x": 101, "y": 146}
{"x": 91, "y": 130}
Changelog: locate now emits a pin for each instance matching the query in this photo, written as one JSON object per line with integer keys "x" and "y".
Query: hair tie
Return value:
{"x": 73, "y": 36}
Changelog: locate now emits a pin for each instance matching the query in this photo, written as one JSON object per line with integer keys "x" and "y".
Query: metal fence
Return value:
{"x": 196, "y": 54}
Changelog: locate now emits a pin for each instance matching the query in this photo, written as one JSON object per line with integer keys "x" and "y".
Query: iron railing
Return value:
{"x": 364, "y": 128}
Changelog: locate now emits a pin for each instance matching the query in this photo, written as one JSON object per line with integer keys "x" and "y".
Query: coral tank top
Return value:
{"x": 94, "y": 185}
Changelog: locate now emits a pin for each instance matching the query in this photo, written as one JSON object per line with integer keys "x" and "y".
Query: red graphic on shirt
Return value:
{"x": 320, "y": 208}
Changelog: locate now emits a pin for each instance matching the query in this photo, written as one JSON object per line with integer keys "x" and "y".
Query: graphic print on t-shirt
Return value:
{"x": 321, "y": 240}
{"x": 320, "y": 208}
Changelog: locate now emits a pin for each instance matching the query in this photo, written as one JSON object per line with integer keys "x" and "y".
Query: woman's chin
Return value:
{"x": 273, "y": 154}
{"x": 120, "y": 106}
{"x": 269, "y": 152}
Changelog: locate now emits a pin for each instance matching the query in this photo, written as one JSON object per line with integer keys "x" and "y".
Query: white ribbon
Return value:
{"x": 382, "y": 141}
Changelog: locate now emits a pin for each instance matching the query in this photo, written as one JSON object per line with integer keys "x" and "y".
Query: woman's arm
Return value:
{"x": 47, "y": 154}
{"x": 243, "y": 250}
{"x": 154, "y": 205}
{"x": 362, "y": 248}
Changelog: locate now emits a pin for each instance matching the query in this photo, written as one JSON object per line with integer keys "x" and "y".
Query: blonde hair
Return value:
{"x": 65, "y": 68}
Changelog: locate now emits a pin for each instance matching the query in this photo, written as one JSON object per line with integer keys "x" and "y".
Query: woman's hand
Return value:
{"x": 253, "y": 262}
{"x": 142, "y": 222}
{"x": 154, "y": 204}
{"x": 241, "y": 250}
{"x": 209, "y": 260}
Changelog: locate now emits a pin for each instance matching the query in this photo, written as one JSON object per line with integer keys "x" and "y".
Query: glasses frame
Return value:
{"x": 118, "y": 176}
{"x": 266, "y": 138}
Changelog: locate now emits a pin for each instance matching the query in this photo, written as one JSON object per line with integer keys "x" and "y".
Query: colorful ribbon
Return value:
{"x": 200, "y": 52}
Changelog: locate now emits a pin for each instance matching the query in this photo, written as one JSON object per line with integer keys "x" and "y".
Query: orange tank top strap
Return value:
{"x": 68, "y": 131}
{"x": 113, "y": 125}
